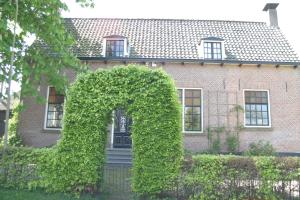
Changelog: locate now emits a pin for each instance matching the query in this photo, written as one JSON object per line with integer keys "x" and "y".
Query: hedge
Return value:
{"x": 150, "y": 98}
{"x": 20, "y": 167}
{"x": 208, "y": 177}
{"x": 233, "y": 177}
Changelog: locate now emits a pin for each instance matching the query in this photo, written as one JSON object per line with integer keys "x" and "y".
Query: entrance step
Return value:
{"x": 118, "y": 156}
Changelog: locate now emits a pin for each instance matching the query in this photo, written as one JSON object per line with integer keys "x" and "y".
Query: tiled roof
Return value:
{"x": 178, "y": 39}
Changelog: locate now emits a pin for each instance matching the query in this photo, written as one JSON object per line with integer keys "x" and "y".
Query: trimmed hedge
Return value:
{"x": 150, "y": 98}
{"x": 233, "y": 177}
{"x": 20, "y": 167}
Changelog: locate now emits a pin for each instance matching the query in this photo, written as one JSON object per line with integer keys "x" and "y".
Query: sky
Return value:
{"x": 238, "y": 10}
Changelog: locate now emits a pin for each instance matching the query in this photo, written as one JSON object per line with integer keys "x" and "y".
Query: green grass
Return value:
{"x": 11, "y": 194}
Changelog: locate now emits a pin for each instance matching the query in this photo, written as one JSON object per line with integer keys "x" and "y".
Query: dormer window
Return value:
{"x": 115, "y": 46}
{"x": 211, "y": 48}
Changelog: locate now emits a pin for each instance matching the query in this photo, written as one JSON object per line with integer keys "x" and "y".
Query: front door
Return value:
{"x": 121, "y": 133}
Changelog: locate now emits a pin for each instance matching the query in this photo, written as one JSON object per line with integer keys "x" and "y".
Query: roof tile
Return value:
{"x": 177, "y": 39}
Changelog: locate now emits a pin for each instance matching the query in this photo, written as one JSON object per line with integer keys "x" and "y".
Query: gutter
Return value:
{"x": 200, "y": 61}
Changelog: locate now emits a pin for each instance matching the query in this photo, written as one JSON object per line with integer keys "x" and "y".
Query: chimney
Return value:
{"x": 271, "y": 7}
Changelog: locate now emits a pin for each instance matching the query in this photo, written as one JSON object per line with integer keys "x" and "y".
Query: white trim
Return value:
{"x": 103, "y": 47}
{"x": 112, "y": 130}
{"x": 183, "y": 109}
{"x": 269, "y": 108}
{"x": 46, "y": 113}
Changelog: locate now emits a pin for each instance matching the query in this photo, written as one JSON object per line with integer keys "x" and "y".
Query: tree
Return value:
{"x": 46, "y": 58}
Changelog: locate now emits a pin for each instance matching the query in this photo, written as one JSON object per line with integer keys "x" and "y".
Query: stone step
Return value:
{"x": 118, "y": 156}
{"x": 118, "y": 152}
{"x": 118, "y": 163}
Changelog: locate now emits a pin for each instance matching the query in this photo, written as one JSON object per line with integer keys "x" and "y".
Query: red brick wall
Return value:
{"x": 283, "y": 84}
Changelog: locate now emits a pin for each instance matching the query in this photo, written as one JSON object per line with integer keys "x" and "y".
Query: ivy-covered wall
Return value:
{"x": 150, "y": 98}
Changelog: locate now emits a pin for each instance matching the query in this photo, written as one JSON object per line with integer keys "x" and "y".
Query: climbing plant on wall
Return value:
{"x": 150, "y": 98}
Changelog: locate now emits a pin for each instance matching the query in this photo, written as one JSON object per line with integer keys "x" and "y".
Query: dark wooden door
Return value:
{"x": 122, "y": 123}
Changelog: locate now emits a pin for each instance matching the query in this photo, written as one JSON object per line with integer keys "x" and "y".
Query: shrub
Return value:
{"x": 260, "y": 148}
{"x": 20, "y": 166}
{"x": 234, "y": 177}
{"x": 232, "y": 142}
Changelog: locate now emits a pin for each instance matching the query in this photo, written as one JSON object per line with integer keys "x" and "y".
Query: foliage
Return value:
{"x": 236, "y": 177}
{"x": 214, "y": 138}
{"x": 232, "y": 135}
{"x": 19, "y": 166}
{"x": 232, "y": 142}
{"x": 12, "y": 194}
{"x": 200, "y": 180}
{"x": 41, "y": 20}
{"x": 149, "y": 96}
{"x": 260, "y": 148}
{"x": 14, "y": 138}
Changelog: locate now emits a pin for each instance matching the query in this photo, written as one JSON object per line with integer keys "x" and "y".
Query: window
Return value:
{"x": 54, "y": 112}
{"x": 257, "y": 109}
{"x": 212, "y": 50}
{"x": 191, "y": 100}
{"x": 114, "y": 48}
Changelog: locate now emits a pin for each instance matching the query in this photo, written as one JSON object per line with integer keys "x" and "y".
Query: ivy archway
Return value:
{"x": 150, "y": 98}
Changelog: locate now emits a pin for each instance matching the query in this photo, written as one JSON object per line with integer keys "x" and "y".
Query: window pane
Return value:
{"x": 248, "y": 114}
{"x": 212, "y": 50}
{"x": 259, "y": 122}
{"x": 188, "y": 110}
{"x": 196, "y": 93}
{"x": 264, "y": 107}
{"x": 115, "y": 48}
{"x": 248, "y": 121}
{"x": 55, "y": 109}
{"x": 247, "y": 107}
{"x": 265, "y": 115}
{"x": 192, "y": 110}
{"x": 256, "y": 108}
{"x": 188, "y": 93}
{"x": 197, "y": 102}
{"x": 188, "y": 101}
{"x": 265, "y": 122}
{"x": 196, "y": 110}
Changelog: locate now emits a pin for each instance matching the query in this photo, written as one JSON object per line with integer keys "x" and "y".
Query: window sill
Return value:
{"x": 263, "y": 129}
{"x": 57, "y": 131}
{"x": 192, "y": 133}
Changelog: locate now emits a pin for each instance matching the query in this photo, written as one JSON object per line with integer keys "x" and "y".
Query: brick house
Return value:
{"x": 217, "y": 66}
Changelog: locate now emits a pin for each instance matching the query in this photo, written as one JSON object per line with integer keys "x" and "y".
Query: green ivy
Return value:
{"x": 150, "y": 98}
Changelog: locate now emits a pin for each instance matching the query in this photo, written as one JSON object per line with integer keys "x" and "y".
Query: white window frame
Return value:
{"x": 46, "y": 112}
{"x": 269, "y": 108}
{"x": 200, "y": 49}
{"x": 183, "y": 109}
{"x": 112, "y": 130}
{"x": 126, "y": 46}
